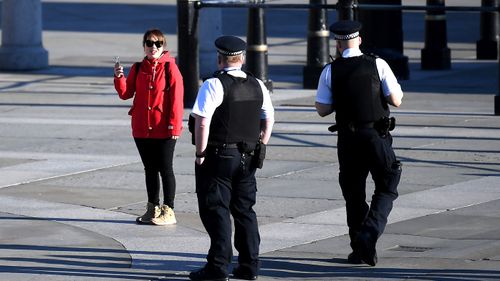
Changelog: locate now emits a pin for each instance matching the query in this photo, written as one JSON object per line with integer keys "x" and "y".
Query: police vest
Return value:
{"x": 357, "y": 91}
{"x": 237, "y": 119}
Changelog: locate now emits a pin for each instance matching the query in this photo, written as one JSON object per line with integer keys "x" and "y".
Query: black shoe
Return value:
{"x": 366, "y": 249}
{"x": 370, "y": 258}
{"x": 207, "y": 274}
{"x": 354, "y": 258}
{"x": 244, "y": 273}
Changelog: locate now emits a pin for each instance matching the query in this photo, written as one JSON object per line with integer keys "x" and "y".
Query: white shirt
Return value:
{"x": 211, "y": 95}
{"x": 389, "y": 82}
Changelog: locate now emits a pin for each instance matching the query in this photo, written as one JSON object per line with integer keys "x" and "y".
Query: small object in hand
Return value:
{"x": 333, "y": 128}
{"x": 117, "y": 65}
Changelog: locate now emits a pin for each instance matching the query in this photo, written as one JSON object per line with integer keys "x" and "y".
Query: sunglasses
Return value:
{"x": 150, "y": 43}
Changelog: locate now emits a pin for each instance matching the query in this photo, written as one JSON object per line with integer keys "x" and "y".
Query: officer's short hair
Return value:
{"x": 232, "y": 59}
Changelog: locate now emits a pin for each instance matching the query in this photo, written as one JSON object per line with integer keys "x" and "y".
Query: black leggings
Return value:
{"x": 157, "y": 156}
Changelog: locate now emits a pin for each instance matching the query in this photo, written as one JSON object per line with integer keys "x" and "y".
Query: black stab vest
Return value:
{"x": 357, "y": 91}
{"x": 237, "y": 119}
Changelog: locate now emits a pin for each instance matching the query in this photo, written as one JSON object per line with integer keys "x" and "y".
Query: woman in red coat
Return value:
{"x": 157, "y": 88}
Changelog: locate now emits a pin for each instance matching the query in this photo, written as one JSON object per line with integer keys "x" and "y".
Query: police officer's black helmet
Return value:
{"x": 345, "y": 29}
{"x": 230, "y": 45}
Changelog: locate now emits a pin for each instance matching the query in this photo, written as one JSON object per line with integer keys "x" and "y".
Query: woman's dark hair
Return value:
{"x": 155, "y": 32}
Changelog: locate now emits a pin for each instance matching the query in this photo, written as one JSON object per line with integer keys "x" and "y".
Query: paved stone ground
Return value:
{"x": 71, "y": 180}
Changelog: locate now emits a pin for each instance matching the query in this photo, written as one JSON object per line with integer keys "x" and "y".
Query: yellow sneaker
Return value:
{"x": 152, "y": 211}
{"x": 166, "y": 216}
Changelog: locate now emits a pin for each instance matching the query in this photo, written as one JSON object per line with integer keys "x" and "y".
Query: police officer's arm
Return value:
{"x": 323, "y": 109}
{"x": 266, "y": 115}
{"x": 266, "y": 127}
{"x": 390, "y": 86}
{"x": 201, "y": 131}
{"x": 395, "y": 99}
{"x": 209, "y": 97}
{"x": 324, "y": 100}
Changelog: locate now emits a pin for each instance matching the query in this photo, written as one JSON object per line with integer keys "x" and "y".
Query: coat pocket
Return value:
{"x": 131, "y": 110}
{"x": 159, "y": 107}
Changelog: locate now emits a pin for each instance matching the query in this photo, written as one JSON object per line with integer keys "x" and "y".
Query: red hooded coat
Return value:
{"x": 157, "y": 110}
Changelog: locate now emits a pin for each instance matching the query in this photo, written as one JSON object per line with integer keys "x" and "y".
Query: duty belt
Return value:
{"x": 353, "y": 127}
{"x": 382, "y": 126}
{"x": 222, "y": 145}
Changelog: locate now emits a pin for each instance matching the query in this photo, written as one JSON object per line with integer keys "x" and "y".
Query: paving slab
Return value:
{"x": 71, "y": 181}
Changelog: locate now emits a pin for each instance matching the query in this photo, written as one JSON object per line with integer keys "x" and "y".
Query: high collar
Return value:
{"x": 229, "y": 68}
{"x": 165, "y": 56}
{"x": 351, "y": 52}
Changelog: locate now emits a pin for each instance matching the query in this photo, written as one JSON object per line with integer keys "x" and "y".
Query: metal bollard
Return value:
{"x": 486, "y": 46}
{"x": 256, "y": 57}
{"x": 435, "y": 55}
{"x": 345, "y": 9}
{"x": 382, "y": 35}
{"x": 497, "y": 103}
{"x": 188, "y": 45}
{"x": 318, "y": 48}
{"x": 497, "y": 96}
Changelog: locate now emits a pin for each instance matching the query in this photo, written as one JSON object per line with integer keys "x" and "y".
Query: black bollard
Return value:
{"x": 318, "y": 48}
{"x": 486, "y": 46}
{"x": 382, "y": 35}
{"x": 497, "y": 96}
{"x": 497, "y": 103}
{"x": 187, "y": 59}
{"x": 435, "y": 55}
{"x": 256, "y": 57}
{"x": 345, "y": 10}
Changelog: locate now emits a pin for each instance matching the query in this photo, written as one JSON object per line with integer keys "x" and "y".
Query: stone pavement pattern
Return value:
{"x": 71, "y": 180}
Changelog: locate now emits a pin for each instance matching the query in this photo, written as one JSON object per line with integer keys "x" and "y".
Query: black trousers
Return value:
{"x": 157, "y": 157}
{"x": 361, "y": 152}
{"x": 226, "y": 185}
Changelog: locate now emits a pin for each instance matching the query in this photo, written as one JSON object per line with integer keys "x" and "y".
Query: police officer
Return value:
{"x": 358, "y": 88}
{"x": 233, "y": 112}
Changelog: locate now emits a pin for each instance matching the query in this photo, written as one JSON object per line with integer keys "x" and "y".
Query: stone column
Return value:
{"x": 210, "y": 29}
{"x": 22, "y": 36}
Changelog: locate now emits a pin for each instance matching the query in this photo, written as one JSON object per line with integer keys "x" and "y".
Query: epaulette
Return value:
{"x": 215, "y": 74}
{"x": 373, "y": 55}
{"x": 218, "y": 72}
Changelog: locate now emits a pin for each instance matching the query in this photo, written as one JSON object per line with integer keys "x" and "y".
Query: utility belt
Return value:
{"x": 383, "y": 126}
{"x": 222, "y": 145}
{"x": 351, "y": 126}
{"x": 242, "y": 147}
{"x": 258, "y": 150}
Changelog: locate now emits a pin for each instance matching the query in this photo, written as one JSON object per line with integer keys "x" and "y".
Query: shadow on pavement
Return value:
{"x": 328, "y": 269}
